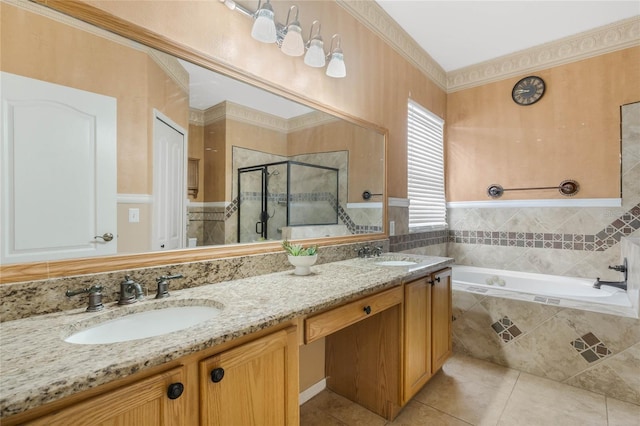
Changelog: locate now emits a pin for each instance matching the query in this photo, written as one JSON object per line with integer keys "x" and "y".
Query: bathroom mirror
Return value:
{"x": 224, "y": 130}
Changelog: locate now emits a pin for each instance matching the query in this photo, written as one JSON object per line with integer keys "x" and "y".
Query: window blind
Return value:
{"x": 425, "y": 168}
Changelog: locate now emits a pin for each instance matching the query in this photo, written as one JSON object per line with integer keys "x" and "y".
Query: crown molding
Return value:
{"x": 171, "y": 67}
{"x": 377, "y": 20}
{"x": 227, "y": 109}
{"x": 609, "y": 38}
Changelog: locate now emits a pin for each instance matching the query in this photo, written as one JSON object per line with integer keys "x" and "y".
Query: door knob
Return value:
{"x": 107, "y": 236}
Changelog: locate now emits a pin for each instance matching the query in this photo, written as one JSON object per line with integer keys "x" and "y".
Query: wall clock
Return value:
{"x": 528, "y": 91}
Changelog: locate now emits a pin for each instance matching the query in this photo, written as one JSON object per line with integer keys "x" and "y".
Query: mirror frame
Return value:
{"x": 59, "y": 268}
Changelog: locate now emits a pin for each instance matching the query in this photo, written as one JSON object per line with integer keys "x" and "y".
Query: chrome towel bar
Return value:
{"x": 568, "y": 188}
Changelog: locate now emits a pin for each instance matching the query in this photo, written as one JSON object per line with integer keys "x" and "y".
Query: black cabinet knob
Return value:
{"x": 175, "y": 390}
{"x": 217, "y": 374}
{"x": 367, "y": 309}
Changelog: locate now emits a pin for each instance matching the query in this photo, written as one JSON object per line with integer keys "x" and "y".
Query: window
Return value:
{"x": 425, "y": 169}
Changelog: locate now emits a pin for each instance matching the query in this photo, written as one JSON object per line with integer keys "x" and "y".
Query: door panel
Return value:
{"x": 169, "y": 187}
{"x": 58, "y": 171}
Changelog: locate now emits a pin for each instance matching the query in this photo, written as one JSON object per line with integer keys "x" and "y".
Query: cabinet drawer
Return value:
{"x": 336, "y": 319}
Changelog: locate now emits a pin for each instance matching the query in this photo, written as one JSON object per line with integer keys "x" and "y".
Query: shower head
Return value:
{"x": 275, "y": 172}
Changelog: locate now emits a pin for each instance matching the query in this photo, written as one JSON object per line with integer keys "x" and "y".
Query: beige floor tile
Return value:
{"x": 471, "y": 390}
{"x": 621, "y": 413}
{"x": 330, "y": 406}
{"x": 538, "y": 401}
{"x": 418, "y": 414}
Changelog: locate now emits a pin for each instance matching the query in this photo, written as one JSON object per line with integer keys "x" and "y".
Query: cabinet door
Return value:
{"x": 417, "y": 335}
{"x": 252, "y": 384}
{"x": 144, "y": 403}
{"x": 441, "y": 318}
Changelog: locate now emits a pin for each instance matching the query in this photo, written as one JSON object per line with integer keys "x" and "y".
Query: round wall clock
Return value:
{"x": 528, "y": 91}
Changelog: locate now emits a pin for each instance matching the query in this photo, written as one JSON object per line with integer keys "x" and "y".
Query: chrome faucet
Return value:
{"x": 621, "y": 268}
{"x": 163, "y": 285}
{"x": 130, "y": 291}
{"x": 617, "y": 284}
{"x": 95, "y": 297}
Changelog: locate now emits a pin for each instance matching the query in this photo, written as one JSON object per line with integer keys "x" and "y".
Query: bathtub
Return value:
{"x": 540, "y": 288}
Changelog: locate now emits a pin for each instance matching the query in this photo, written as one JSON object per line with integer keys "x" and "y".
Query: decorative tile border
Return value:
{"x": 590, "y": 347}
{"x": 611, "y": 235}
{"x": 506, "y": 329}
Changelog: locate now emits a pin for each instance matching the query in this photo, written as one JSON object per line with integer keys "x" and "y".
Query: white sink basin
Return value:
{"x": 140, "y": 325}
{"x": 396, "y": 263}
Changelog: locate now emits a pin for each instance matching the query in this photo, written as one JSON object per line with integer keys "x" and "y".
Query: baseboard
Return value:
{"x": 312, "y": 391}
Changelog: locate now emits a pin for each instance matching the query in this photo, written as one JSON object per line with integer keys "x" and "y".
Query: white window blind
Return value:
{"x": 425, "y": 168}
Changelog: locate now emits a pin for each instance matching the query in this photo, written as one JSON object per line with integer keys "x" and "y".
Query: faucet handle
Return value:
{"x": 163, "y": 285}
{"x": 95, "y": 297}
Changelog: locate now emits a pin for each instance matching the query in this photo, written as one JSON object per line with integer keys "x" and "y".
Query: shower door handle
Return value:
{"x": 259, "y": 227}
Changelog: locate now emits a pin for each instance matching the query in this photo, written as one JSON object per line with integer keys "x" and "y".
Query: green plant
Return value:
{"x": 298, "y": 249}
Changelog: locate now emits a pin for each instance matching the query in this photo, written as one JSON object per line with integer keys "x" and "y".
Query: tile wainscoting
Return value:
{"x": 589, "y": 350}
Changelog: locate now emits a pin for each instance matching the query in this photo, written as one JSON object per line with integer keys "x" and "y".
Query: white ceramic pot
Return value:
{"x": 302, "y": 263}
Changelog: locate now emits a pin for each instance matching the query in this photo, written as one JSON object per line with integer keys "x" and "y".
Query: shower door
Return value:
{"x": 252, "y": 204}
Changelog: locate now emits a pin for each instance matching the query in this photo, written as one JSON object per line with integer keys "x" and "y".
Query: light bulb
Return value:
{"x": 293, "y": 44}
{"x": 264, "y": 28}
{"x": 315, "y": 55}
{"x": 337, "y": 68}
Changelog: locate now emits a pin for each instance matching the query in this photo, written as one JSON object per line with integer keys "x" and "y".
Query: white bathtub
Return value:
{"x": 540, "y": 288}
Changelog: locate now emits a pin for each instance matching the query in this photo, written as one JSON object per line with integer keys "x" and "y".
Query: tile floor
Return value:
{"x": 473, "y": 392}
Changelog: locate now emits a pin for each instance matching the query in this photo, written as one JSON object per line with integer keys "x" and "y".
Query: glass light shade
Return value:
{"x": 264, "y": 28}
{"x": 337, "y": 68}
{"x": 315, "y": 54}
{"x": 293, "y": 44}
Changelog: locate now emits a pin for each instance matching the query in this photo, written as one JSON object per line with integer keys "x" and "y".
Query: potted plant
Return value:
{"x": 300, "y": 257}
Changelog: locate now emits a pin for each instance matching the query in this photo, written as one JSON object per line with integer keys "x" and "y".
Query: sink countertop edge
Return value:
{"x": 250, "y": 305}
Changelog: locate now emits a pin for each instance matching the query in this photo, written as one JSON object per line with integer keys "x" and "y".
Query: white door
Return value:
{"x": 58, "y": 180}
{"x": 169, "y": 184}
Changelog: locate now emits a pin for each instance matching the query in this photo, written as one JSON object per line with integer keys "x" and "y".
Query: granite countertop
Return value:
{"x": 38, "y": 367}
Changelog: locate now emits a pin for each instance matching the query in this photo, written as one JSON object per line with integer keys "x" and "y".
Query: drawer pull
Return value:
{"x": 217, "y": 374}
{"x": 367, "y": 309}
{"x": 175, "y": 390}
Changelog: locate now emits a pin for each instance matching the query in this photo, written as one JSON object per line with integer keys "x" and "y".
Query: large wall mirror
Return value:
{"x": 195, "y": 158}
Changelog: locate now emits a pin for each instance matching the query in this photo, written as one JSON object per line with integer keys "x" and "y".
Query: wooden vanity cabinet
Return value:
{"x": 427, "y": 329}
{"x": 259, "y": 387}
{"x": 155, "y": 401}
{"x": 254, "y": 384}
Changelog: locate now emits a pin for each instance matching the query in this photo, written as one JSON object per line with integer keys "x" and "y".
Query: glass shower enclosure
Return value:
{"x": 288, "y": 193}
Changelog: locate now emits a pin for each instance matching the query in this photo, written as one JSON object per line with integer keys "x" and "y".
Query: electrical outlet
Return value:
{"x": 134, "y": 215}
{"x": 392, "y": 228}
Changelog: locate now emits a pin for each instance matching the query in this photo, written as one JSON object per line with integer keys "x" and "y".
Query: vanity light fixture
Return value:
{"x": 315, "y": 49}
{"x": 289, "y": 37}
{"x": 264, "y": 27}
{"x": 336, "y": 67}
{"x": 293, "y": 43}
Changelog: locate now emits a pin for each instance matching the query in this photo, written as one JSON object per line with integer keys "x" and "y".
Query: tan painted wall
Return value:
{"x": 376, "y": 88}
{"x": 573, "y": 132}
{"x": 77, "y": 59}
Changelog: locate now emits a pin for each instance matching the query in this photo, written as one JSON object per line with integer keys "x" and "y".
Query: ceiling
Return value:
{"x": 457, "y": 33}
